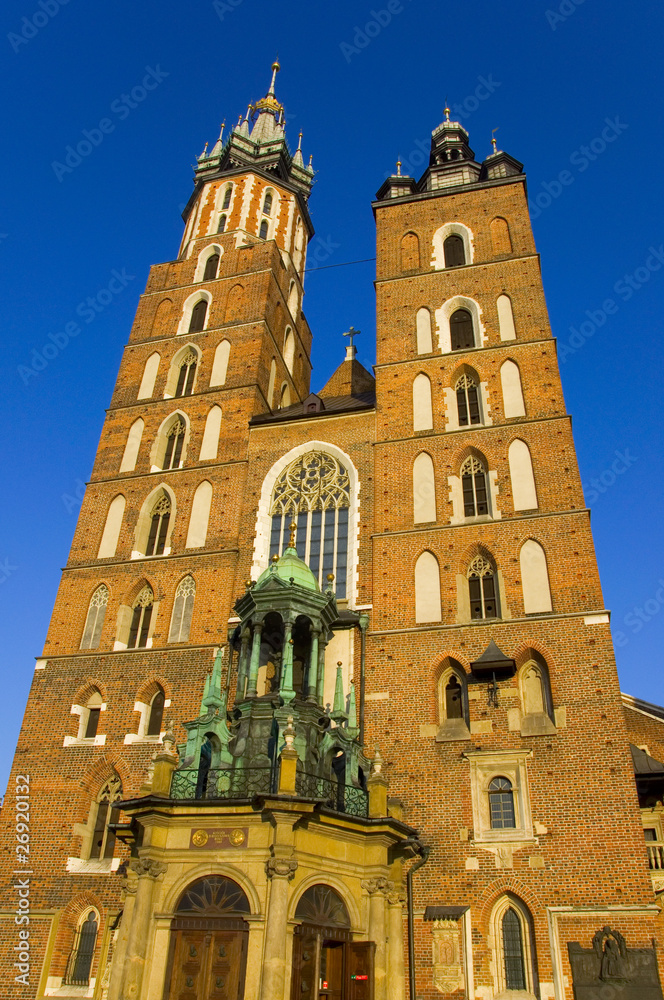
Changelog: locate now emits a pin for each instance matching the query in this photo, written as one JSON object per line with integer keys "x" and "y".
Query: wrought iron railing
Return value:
{"x": 245, "y": 783}
{"x": 78, "y": 968}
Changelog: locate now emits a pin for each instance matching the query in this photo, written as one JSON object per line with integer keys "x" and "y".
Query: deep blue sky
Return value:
{"x": 554, "y": 86}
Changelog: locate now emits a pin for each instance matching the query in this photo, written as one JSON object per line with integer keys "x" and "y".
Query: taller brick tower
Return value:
{"x": 327, "y": 709}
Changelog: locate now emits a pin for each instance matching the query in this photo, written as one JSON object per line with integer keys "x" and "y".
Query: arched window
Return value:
{"x": 314, "y": 490}
{"x": 79, "y": 963}
{"x": 515, "y": 975}
{"x": 482, "y": 589}
{"x": 534, "y": 578}
{"x": 505, "y": 318}
{"x": 220, "y": 364}
{"x": 211, "y": 267}
{"x": 198, "y": 314}
{"x": 139, "y": 629}
{"x": 132, "y": 446}
{"x": 298, "y": 250}
{"x": 162, "y": 318}
{"x": 235, "y": 304}
{"x": 474, "y": 486}
{"x": 187, "y": 374}
{"x": 103, "y": 838}
{"x": 289, "y": 349}
{"x": 267, "y": 203}
{"x": 183, "y": 608}
{"x": 109, "y": 539}
{"x": 292, "y": 299}
{"x": 468, "y": 404}
{"x": 264, "y": 230}
{"x": 174, "y": 443}
{"x": 153, "y": 727}
{"x": 410, "y": 252}
{"x": 455, "y": 253}
{"x": 423, "y": 329}
{"x": 524, "y": 494}
{"x": 270, "y": 387}
{"x": 95, "y": 619}
{"x": 501, "y": 805}
{"x": 221, "y": 225}
{"x": 146, "y": 387}
{"x": 424, "y": 489}
{"x": 453, "y": 699}
{"x": 461, "y": 330}
{"x": 200, "y": 516}
{"x": 210, "y": 442}
{"x": 89, "y": 721}
{"x": 227, "y": 196}
{"x": 500, "y": 236}
{"x": 422, "y": 404}
{"x": 159, "y": 521}
{"x": 510, "y": 381}
{"x": 427, "y": 589}
{"x": 285, "y": 396}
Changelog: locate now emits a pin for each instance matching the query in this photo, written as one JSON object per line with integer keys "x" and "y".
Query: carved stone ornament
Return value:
{"x": 372, "y": 885}
{"x": 396, "y": 898}
{"x": 147, "y": 867}
{"x": 448, "y": 974}
{"x": 281, "y": 868}
{"x": 610, "y": 963}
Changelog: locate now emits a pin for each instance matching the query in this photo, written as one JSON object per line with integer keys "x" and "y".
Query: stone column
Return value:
{"x": 148, "y": 871}
{"x": 280, "y": 871}
{"x": 378, "y": 889}
{"x": 252, "y": 689}
{"x": 242, "y": 665}
{"x": 129, "y": 886}
{"x": 312, "y": 685}
{"x": 321, "y": 672}
{"x": 396, "y": 971}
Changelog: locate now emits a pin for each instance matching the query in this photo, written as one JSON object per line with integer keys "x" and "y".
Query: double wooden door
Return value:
{"x": 206, "y": 963}
{"x": 329, "y": 966}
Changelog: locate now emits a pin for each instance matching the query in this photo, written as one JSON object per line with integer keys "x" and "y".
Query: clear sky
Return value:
{"x": 573, "y": 87}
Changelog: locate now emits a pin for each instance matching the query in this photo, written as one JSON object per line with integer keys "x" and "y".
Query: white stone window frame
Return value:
{"x": 125, "y": 615}
{"x": 438, "y": 244}
{"x": 456, "y": 495}
{"x": 443, "y": 315}
{"x": 219, "y": 210}
{"x": 142, "y": 529}
{"x": 54, "y": 984}
{"x": 264, "y": 519}
{"x": 463, "y": 593}
{"x": 83, "y": 712}
{"x": 452, "y": 406}
{"x": 158, "y": 449}
{"x": 485, "y": 765}
{"x": 496, "y": 947}
{"x": 203, "y": 258}
{"x": 174, "y": 370}
{"x": 143, "y": 708}
{"x": 188, "y": 308}
{"x": 271, "y": 219}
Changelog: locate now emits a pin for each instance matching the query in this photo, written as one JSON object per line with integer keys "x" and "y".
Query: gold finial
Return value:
{"x": 398, "y": 168}
{"x": 248, "y": 583}
{"x": 330, "y": 577}
{"x": 275, "y": 67}
{"x": 493, "y": 139}
{"x": 293, "y": 527}
{"x": 299, "y": 141}
{"x": 447, "y": 111}
{"x": 275, "y": 558}
{"x": 339, "y": 663}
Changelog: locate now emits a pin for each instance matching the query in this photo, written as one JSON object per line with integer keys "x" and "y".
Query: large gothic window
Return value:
{"x": 183, "y": 608}
{"x": 314, "y": 490}
{"x": 103, "y": 838}
{"x": 187, "y": 374}
{"x": 139, "y": 630}
{"x": 482, "y": 588}
{"x": 174, "y": 443}
{"x": 79, "y": 964}
{"x": 474, "y": 485}
{"x": 159, "y": 521}
{"x": 95, "y": 619}
{"x": 468, "y": 404}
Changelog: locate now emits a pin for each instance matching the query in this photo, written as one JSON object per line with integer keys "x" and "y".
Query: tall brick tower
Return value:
{"x": 328, "y": 709}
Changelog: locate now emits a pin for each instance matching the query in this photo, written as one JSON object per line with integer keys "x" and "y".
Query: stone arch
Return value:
{"x": 200, "y": 295}
{"x": 174, "y": 368}
{"x": 88, "y": 688}
{"x": 158, "y": 449}
{"x": 335, "y": 883}
{"x": 180, "y": 885}
{"x": 75, "y": 910}
{"x": 102, "y": 770}
{"x": 143, "y": 521}
{"x": 438, "y": 243}
{"x": 446, "y": 311}
{"x": 149, "y": 687}
{"x": 203, "y": 258}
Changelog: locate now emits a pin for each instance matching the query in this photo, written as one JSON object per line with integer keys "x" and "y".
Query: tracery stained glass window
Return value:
{"x": 482, "y": 587}
{"x": 314, "y": 490}
{"x": 322, "y": 906}
{"x": 95, "y": 618}
{"x": 103, "y": 838}
{"x": 467, "y": 401}
{"x": 474, "y": 485}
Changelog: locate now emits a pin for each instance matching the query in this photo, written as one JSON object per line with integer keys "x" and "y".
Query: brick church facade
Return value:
{"x": 328, "y": 706}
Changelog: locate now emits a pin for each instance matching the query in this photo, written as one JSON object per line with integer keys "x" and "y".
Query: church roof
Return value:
{"x": 350, "y": 379}
{"x": 333, "y": 404}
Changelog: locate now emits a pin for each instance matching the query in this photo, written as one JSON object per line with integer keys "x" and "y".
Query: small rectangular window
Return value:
{"x": 92, "y": 723}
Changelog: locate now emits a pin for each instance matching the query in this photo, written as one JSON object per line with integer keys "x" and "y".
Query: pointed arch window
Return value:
{"x": 515, "y": 973}
{"x": 139, "y": 630}
{"x": 95, "y": 619}
{"x": 314, "y": 490}
{"x": 227, "y": 196}
{"x": 221, "y": 226}
{"x": 173, "y": 453}
{"x": 453, "y": 699}
{"x": 187, "y": 374}
{"x": 156, "y": 714}
{"x": 198, "y": 314}
{"x": 482, "y": 589}
{"x": 468, "y": 403}
{"x": 264, "y": 230}
{"x": 211, "y": 267}
{"x": 79, "y": 963}
{"x": 474, "y": 486}
{"x": 267, "y": 203}
{"x": 501, "y": 805}
{"x": 103, "y": 838}
{"x": 183, "y": 608}
{"x": 159, "y": 521}
{"x": 454, "y": 250}
{"x": 90, "y": 716}
{"x": 461, "y": 330}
